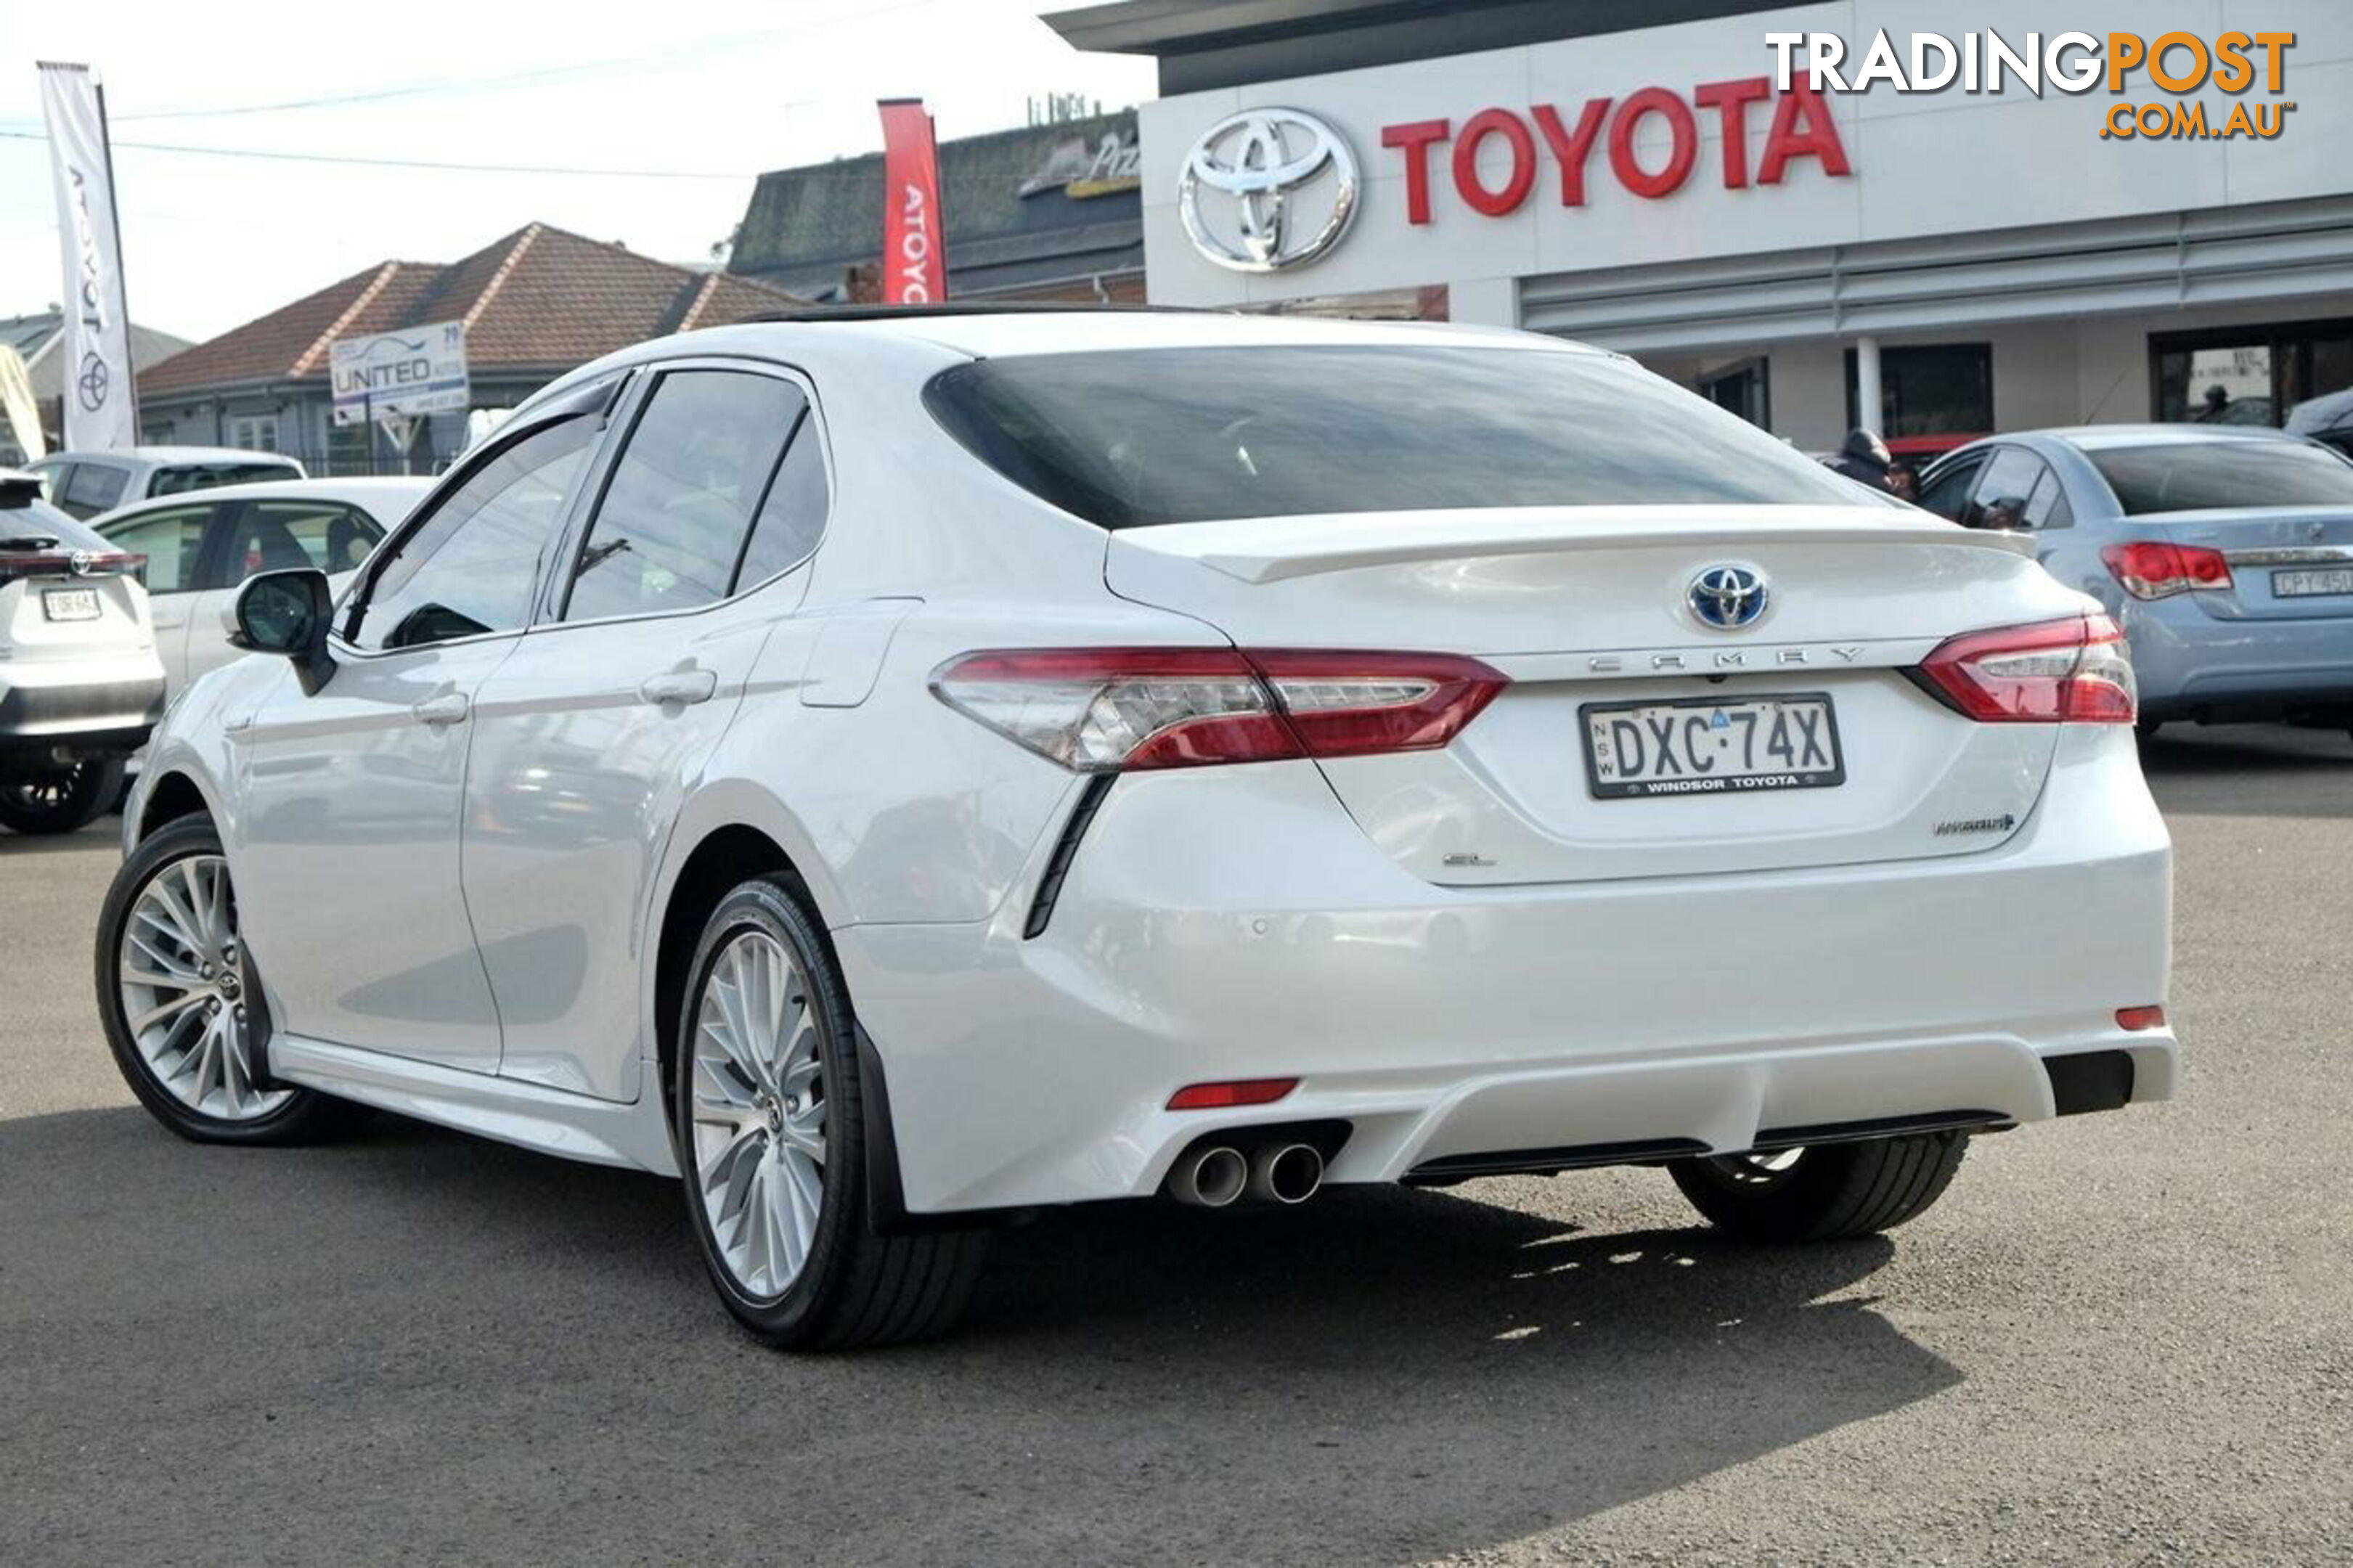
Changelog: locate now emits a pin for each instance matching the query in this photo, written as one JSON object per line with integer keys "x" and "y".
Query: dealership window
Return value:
{"x": 1744, "y": 389}
{"x": 254, "y": 433}
{"x": 1929, "y": 389}
{"x": 2247, "y": 376}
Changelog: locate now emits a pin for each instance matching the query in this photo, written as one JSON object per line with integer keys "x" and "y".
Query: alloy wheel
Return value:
{"x": 1759, "y": 1170}
{"x": 759, "y": 1113}
{"x": 186, "y": 986}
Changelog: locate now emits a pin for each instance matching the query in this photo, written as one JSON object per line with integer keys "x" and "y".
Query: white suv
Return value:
{"x": 80, "y": 683}
{"x": 897, "y": 771}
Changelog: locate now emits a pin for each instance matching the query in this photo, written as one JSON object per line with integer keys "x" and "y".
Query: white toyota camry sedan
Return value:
{"x": 901, "y": 770}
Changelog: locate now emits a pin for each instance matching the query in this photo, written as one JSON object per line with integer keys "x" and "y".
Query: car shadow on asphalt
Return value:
{"x": 2250, "y": 770}
{"x": 1381, "y": 1374}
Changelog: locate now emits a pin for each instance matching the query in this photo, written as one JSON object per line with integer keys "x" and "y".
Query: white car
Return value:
{"x": 896, "y": 770}
{"x": 201, "y": 548}
{"x": 85, "y": 484}
{"x": 79, "y": 682}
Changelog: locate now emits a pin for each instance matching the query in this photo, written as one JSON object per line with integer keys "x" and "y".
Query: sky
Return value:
{"x": 702, "y": 96}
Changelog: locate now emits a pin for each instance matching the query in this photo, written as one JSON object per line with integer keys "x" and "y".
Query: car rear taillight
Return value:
{"x": 1107, "y": 709}
{"x": 2136, "y": 1018}
{"x": 2071, "y": 671}
{"x": 2153, "y": 569}
{"x": 14, "y": 568}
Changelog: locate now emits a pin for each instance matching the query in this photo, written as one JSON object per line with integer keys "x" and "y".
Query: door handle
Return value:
{"x": 680, "y": 685}
{"x": 449, "y": 708}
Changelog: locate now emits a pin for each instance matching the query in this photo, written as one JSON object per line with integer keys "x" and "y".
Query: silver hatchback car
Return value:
{"x": 2224, "y": 551}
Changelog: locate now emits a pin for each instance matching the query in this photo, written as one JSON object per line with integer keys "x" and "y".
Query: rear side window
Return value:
{"x": 182, "y": 478}
{"x": 1131, "y": 438}
{"x": 2215, "y": 475}
{"x": 2000, "y": 501}
{"x": 671, "y": 526}
{"x": 1948, "y": 493}
{"x": 273, "y": 535}
{"x": 172, "y": 539}
{"x": 91, "y": 488}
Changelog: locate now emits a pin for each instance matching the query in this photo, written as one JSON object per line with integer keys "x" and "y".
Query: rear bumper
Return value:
{"x": 88, "y": 707}
{"x": 1236, "y": 923}
{"x": 2192, "y": 666}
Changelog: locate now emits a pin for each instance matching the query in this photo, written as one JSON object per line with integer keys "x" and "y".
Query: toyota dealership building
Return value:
{"x": 1635, "y": 176}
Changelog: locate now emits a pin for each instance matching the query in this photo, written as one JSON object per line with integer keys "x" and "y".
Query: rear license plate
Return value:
{"x": 70, "y": 603}
{"x": 1705, "y": 746}
{"x": 2304, "y": 585}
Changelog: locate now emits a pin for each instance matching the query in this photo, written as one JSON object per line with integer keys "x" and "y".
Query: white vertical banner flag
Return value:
{"x": 101, "y": 408}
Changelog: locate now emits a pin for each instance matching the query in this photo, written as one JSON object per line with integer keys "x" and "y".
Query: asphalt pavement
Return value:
{"x": 2119, "y": 1339}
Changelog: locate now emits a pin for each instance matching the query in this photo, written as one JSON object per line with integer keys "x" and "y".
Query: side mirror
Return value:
{"x": 286, "y": 613}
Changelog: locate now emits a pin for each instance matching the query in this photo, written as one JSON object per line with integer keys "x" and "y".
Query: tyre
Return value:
{"x": 63, "y": 800}
{"x": 1824, "y": 1191}
{"x": 183, "y": 1005}
{"x": 771, "y": 1140}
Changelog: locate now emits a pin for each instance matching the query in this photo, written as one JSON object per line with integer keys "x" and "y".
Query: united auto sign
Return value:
{"x": 1649, "y": 142}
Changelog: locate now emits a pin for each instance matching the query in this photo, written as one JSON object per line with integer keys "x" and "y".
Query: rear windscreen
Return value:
{"x": 1127, "y": 438}
{"x": 2213, "y": 476}
{"x": 185, "y": 476}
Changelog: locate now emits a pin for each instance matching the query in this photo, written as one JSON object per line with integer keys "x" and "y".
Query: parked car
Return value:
{"x": 2226, "y": 551}
{"x": 79, "y": 682}
{"x": 84, "y": 484}
{"x": 200, "y": 549}
{"x": 902, "y": 769}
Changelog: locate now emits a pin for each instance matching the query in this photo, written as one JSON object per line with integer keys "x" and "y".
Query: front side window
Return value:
{"x": 92, "y": 488}
{"x": 671, "y": 526}
{"x": 2217, "y": 475}
{"x": 171, "y": 540}
{"x": 272, "y": 535}
{"x": 470, "y": 566}
{"x": 1129, "y": 438}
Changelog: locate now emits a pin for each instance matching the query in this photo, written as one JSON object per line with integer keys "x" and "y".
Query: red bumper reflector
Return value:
{"x": 1239, "y": 1091}
{"x": 2141, "y": 1017}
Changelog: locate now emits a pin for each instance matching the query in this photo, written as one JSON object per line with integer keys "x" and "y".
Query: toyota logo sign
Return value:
{"x": 1254, "y": 197}
{"x": 1726, "y": 598}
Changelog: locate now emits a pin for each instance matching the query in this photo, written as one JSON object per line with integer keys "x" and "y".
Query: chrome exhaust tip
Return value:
{"x": 1285, "y": 1172}
{"x": 1208, "y": 1175}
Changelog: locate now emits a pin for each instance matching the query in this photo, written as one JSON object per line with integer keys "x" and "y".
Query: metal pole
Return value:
{"x": 367, "y": 423}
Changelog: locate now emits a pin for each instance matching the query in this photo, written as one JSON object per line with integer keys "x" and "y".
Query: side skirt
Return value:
{"x": 572, "y": 1126}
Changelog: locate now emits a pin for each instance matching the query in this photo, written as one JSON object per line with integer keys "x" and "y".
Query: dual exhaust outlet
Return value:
{"x": 1214, "y": 1176}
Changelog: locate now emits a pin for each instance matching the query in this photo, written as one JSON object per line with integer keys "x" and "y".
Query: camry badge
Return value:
{"x": 1726, "y": 598}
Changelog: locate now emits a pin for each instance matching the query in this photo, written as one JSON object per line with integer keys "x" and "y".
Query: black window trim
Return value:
{"x": 594, "y": 401}
{"x": 555, "y": 592}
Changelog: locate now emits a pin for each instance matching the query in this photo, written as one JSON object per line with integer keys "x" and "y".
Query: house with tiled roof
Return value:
{"x": 40, "y": 341}
{"x": 536, "y": 303}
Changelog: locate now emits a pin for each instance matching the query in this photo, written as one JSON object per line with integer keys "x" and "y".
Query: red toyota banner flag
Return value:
{"x": 914, "y": 248}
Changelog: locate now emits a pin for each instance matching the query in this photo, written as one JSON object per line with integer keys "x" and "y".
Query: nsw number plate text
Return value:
{"x": 1706, "y": 746}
